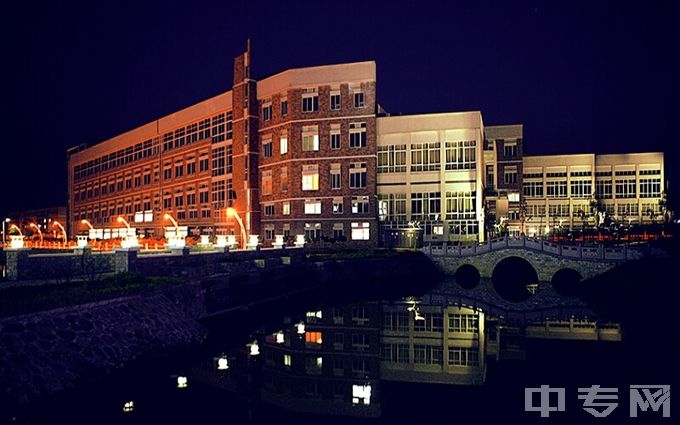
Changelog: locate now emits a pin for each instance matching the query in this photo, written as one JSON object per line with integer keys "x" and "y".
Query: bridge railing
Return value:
{"x": 586, "y": 252}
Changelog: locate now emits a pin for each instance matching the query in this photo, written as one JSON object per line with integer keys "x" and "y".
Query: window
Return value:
{"x": 460, "y": 205}
{"x": 313, "y": 365}
{"x": 461, "y": 155}
{"x": 361, "y": 231}
{"x": 267, "y": 182}
{"x": 360, "y": 342}
{"x": 427, "y": 354}
{"x": 338, "y": 231}
{"x": 335, "y": 136}
{"x": 558, "y": 210}
{"x": 603, "y": 189}
{"x": 219, "y": 161}
{"x": 463, "y": 323}
{"x": 392, "y": 207}
{"x": 267, "y": 112}
{"x": 284, "y": 179}
{"x": 313, "y": 231}
{"x": 359, "y": 204}
{"x": 337, "y": 205}
{"x": 287, "y": 360}
{"x": 395, "y": 321}
{"x": 338, "y": 340}
{"x": 284, "y": 106}
{"x": 285, "y": 208}
{"x": 463, "y": 356}
{"x": 310, "y": 177}
{"x": 489, "y": 176}
{"x": 360, "y": 316}
{"x": 394, "y": 353}
{"x": 191, "y": 168}
{"x": 425, "y": 157}
{"x": 310, "y": 100}
{"x": 509, "y": 149}
{"x": 313, "y": 338}
{"x": 434, "y": 322}
{"x": 581, "y": 188}
{"x": 191, "y": 199}
{"x": 203, "y": 164}
{"x": 513, "y": 196}
{"x": 625, "y": 188}
{"x": 556, "y": 189}
{"x": 283, "y": 142}
{"x": 359, "y": 99}
{"x": 335, "y": 100}
{"x": 312, "y": 206}
{"x": 357, "y": 135}
{"x": 269, "y": 210}
{"x": 310, "y": 138}
{"x": 650, "y": 188}
{"x": 532, "y": 189}
{"x": 426, "y": 206}
{"x": 625, "y": 210}
{"x": 203, "y": 197}
{"x": 360, "y": 369}
{"x": 392, "y": 159}
{"x": 267, "y": 150}
{"x": 510, "y": 175}
{"x": 335, "y": 180}
{"x": 357, "y": 175}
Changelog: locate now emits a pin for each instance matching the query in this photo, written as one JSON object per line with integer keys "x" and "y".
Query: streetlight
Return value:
{"x": 174, "y": 241}
{"x": 39, "y": 231}
{"x": 120, "y": 219}
{"x": 63, "y": 231}
{"x": 15, "y": 227}
{"x": 4, "y": 236}
{"x": 231, "y": 212}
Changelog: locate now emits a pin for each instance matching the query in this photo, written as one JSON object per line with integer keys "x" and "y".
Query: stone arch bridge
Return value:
{"x": 544, "y": 256}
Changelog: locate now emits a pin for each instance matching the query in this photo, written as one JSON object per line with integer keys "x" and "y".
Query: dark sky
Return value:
{"x": 580, "y": 76}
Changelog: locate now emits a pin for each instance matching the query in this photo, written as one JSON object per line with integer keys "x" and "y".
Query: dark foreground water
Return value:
{"x": 448, "y": 354}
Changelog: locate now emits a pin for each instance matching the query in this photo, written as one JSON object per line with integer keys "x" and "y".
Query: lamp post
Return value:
{"x": 63, "y": 231}
{"x": 4, "y": 230}
{"x": 39, "y": 231}
{"x": 15, "y": 227}
{"x": 231, "y": 212}
{"x": 174, "y": 241}
{"x": 174, "y": 222}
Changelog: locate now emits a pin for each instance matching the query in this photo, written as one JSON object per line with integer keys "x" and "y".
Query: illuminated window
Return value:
{"x": 312, "y": 206}
{"x": 513, "y": 197}
{"x": 267, "y": 182}
{"x": 461, "y": 155}
{"x": 287, "y": 360}
{"x": 283, "y": 142}
{"x": 313, "y": 338}
{"x": 510, "y": 175}
{"x": 392, "y": 159}
{"x": 361, "y": 231}
{"x": 337, "y": 205}
{"x": 463, "y": 323}
{"x": 310, "y": 138}
{"x": 286, "y": 208}
{"x": 463, "y": 356}
{"x": 360, "y": 204}
{"x": 310, "y": 177}
{"x": 361, "y": 394}
{"x": 284, "y": 179}
{"x": 313, "y": 316}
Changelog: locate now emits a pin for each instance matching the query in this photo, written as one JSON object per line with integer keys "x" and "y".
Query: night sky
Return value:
{"x": 580, "y": 77}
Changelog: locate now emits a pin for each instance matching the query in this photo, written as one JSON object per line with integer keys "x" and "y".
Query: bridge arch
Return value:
{"x": 566, "y": 281}
{"x": 467, "y": 276}
{"x": 514, "y": 278}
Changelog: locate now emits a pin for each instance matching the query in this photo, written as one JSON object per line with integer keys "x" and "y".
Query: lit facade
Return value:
{"x": 305, "y": 152}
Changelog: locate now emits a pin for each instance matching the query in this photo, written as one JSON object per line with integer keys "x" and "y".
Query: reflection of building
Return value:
{"x": 443, "y": 345}
{"x": 326, "y": 364}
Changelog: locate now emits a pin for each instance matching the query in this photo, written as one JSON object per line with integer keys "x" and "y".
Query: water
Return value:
{"x": 462, "y": 354}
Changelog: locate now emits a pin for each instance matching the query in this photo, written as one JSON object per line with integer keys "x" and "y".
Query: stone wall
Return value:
{"x": 544, "y": 264}
{"x": 42, "y": 353}
{"x": 26, "y": 264}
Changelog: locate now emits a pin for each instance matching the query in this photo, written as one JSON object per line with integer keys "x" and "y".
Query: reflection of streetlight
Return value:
{"x": 63, "y": 231}
{"x": 39, "y": 231}
{"x": 231, "y": 212}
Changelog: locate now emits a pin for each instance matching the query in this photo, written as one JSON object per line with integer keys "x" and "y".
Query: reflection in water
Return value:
{"x": 336, "y": 359}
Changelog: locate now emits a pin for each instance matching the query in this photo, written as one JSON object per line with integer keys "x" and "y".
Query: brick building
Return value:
{"x": 305, "y": 151}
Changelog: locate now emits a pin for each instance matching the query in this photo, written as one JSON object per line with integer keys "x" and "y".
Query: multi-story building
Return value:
{"x": 568, "y": 191}
{"x": 430, "y": 177}
{"x": 304, "y": 151}
{"x": 291, "y": 153}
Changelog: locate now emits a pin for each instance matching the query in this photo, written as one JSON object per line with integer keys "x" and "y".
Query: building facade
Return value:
{"x": 305, "y": 151}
